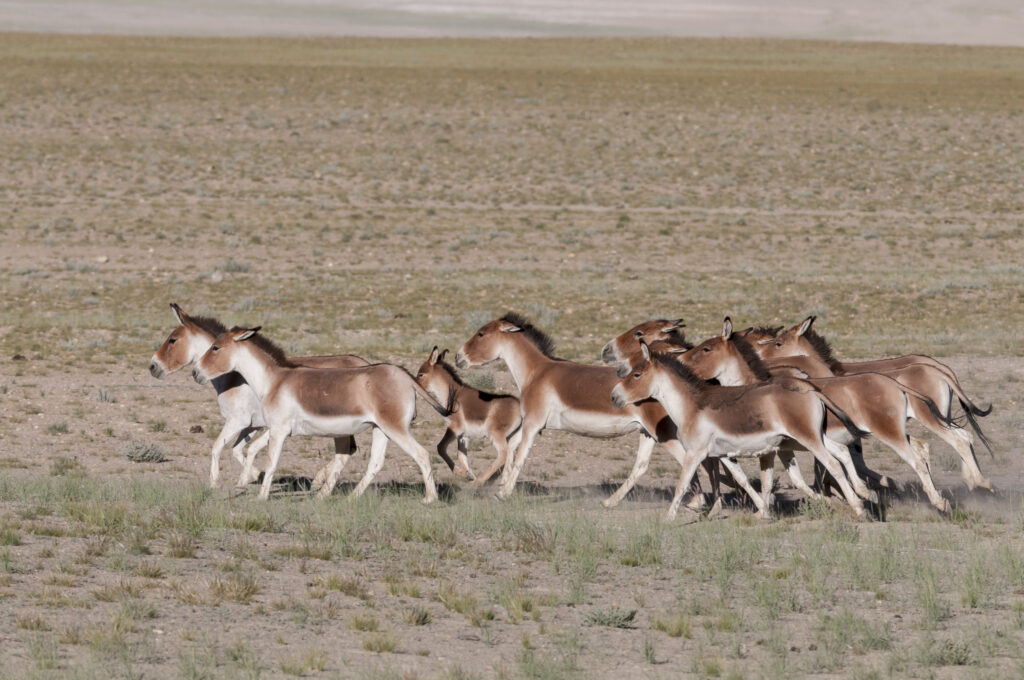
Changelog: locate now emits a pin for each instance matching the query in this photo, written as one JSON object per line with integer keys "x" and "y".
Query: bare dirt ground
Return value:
{"x": 381, "y": 197}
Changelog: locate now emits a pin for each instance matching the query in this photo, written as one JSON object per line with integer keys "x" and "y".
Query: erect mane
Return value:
{"x": 451, "y": 371}
{"x": 209, "y": 324}
{"x": 535, "y": 335}
{"x": 684, "y": 372}
{"x": 265, "y": 344}
{"x": 675, "y": 337}
{"x": 824, "y": 351}
{"x": 769, "y": 331}
{"x": 754, "y": 361}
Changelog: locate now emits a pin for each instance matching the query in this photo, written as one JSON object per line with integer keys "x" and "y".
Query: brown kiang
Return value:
{"x": 730, "y": 422}
{"x": 874, "y": 402}
{"x": 474, "y": 414}
{"x": 328, "y": 402}
{"x": 803, "y": 348}
{"x": 564, "y": 395}
{"x": 238, "y": 403}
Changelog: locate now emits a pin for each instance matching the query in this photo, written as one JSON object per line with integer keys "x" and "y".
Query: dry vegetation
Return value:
{"x": 381, "y": 197}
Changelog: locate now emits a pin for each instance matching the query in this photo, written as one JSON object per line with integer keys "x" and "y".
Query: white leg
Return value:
{"x": 685, "y": 478}
{"x": 342, "y": 455}
{"x": 249, "y": 473}
{"x": 643, "y": 459}
{"x": 378, "y": 444}
{"x": 276, "y": 444}
{"x": 741, "y": 478}
{"x": 408, "y": 443}
{"x": 842, "y": 454}
{"x": 231, "y": 430}
{"x": 511, "y": 472}
{"x": 767, "y": 464}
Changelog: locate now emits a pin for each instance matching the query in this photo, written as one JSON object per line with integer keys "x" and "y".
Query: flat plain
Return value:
{"x": 381, "y": 197}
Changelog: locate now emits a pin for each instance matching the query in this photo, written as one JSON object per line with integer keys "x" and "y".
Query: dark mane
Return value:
{"x": 705, "y": 394}
{"x": 208, "y": 324}
{"x": 675, "y": 337}
{"x": 755, "y": 362}
{"x": 824, "y": 351}
{"x": 538, "y": 337}
{"x": 770, "y": 331}
{"x": 451, "y": 371}
{"x": 700, "y": 387}
{"x": 265, "y": 344}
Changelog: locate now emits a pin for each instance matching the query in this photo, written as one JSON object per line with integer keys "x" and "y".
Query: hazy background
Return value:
{"x": 982, "y": 22}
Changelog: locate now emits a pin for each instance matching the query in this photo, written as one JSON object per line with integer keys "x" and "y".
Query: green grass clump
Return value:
{"x": 611, "y": 618}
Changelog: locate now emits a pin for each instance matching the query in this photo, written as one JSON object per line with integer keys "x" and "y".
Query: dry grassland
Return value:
{"x": 380, "y": 197}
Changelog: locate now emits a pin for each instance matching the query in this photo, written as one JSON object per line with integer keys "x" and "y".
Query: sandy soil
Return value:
{"x": 382, "y": 197}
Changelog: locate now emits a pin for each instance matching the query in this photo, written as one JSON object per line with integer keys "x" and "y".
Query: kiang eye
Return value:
{"x": 636, "y": 375}
{"x": 778, "y": 344}
{"x": 480, "y": 334}
{"x": 215, "y": 348}
{"x": 638, "y": 334}
{"x": 706, "y": 349}
{"x": 419, "y": 375}
{"x": 171, "y": 341}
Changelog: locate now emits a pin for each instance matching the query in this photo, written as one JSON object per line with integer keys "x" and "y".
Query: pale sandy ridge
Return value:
{"x": 975, "y": 22}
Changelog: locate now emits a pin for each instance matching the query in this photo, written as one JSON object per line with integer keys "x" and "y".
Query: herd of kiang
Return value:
{"x": 756, "y": 393}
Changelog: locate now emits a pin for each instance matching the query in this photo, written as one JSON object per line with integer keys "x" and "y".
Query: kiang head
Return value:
{"x": 636, "y": 378}
{"x": 790, "y": 342}
{"x": 707, "y": 358}
{"x": 623, "y": 346}
{"x": 185, "y": 344}
{"x": 222, "y": 356}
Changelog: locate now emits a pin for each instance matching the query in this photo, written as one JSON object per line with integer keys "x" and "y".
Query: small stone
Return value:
{"x": 216, "y": 277}
{"x": 18, "y": 357}
{"x": 812, "y": 647}
{"x": 196, "y": 429}
{"x": 103, "y": 259}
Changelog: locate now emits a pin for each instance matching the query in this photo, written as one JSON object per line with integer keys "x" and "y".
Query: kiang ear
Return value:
{"x": 509, "y": 328}
{"x": 645, "y": 350}
{"x": 673, "y": 325}
{"x": 766, "y": 341}
{"x": 745, "y": 332}
{"x": 806, "y": 325}
{"x": 178, "y": 313}
{"x": 727, "y": 328}
{"x": 246, "y": 333}
{"x": 442, "y": 355}
{"x": 677, "y": 350}
{"x": 433, "y": 356}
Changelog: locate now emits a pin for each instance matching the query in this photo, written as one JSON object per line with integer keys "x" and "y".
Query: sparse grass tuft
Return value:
{"x": 143, "y": 452}
{"x": 612, "y": 618}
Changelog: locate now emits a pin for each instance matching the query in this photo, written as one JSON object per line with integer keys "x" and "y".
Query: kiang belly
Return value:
{"x": 743, "y": 445}
{"x": 591, "y": 424}
{"x": 330, "y": 426}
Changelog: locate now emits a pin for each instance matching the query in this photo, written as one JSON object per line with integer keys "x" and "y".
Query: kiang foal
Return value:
{"x": 329, "y": 402}
{"x": 475, "y": 414}
{"x": 237, "y": 401}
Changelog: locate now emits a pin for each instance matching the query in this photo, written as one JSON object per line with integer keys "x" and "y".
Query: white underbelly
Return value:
{"x": 590, "y": 424}
{"x": 742, "y": 446}
{"x": 330, "y": 426}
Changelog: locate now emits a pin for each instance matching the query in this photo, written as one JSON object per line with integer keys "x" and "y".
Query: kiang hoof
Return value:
{"x": 715, "y": 509}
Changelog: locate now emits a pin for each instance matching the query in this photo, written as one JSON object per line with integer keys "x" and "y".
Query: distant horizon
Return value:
{"x": 964, "y": 22}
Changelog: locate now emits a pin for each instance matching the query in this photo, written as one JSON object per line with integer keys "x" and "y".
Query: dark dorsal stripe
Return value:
{"x": 208, "y": 324}
{"x": 824, "y": 351}
{"x": 754, "y": 362}
{"x": 539, "y": 338}
{"x": 272, "y": 350}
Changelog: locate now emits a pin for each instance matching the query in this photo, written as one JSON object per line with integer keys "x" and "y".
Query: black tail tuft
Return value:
{"x": 969, "y": 412}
